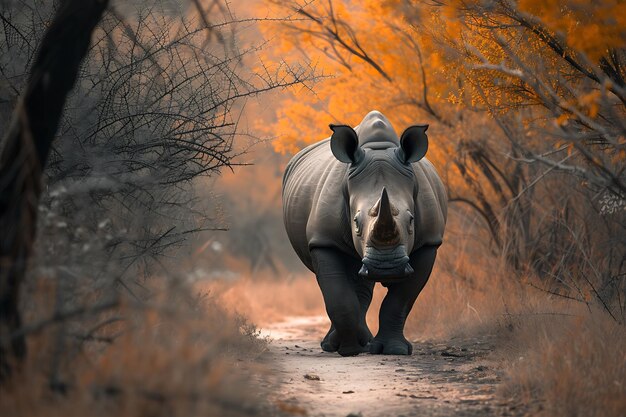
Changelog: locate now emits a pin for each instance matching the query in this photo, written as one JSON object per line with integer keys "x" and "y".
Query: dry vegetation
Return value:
{"x": 565, "y": 363}
{"x": 178, "y": 354}
{"x": 111, "y": 324}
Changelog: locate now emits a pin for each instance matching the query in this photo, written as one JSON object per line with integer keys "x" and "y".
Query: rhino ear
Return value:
{"x": 413, "y": 144}
{"x": 344, "y": 144}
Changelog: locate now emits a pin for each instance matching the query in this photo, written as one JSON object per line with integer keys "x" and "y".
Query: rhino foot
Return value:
{"x": 391, "y": 346}
{"x": 331, "y": 343}
{"x": 328, "y": 346}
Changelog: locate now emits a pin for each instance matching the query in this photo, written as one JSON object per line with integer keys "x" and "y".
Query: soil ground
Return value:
{"x": 451, "y": 378}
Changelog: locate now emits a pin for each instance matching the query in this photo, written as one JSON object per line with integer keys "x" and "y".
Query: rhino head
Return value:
{"x": 381, "y": 191}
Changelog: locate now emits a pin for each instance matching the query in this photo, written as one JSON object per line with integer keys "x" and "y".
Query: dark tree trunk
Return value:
{"x": 25, "y": 149}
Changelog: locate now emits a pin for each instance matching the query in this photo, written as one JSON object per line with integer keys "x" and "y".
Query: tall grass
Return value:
{"x": 266, "y": 298}
{"x": 176, "y": 355}
{"x": 567, "y": 365}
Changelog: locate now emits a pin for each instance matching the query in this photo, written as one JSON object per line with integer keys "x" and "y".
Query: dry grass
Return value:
{"x": 265, "y": 299}
{"x": 558, "y": 357}
{"x": 567, "y": 365}
{"x": 170, "y": 357}
{"x": 463, "y": 293}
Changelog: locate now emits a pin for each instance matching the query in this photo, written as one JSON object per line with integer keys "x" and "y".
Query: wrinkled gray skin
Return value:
{"x": 363, "y": 207}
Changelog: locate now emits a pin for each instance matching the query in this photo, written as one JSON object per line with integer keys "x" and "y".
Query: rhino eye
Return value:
{"x": 410, "y": 222}
{"x": 357, "y": 223}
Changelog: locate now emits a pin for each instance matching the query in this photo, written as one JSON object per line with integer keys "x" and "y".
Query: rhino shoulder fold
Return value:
{"x": 431, "y": 204}
{"x": 313, "y": 202}
{"x": 300, "y": 156}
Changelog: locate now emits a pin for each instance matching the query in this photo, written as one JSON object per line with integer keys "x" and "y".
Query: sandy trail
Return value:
{"x": 439, "y": 379}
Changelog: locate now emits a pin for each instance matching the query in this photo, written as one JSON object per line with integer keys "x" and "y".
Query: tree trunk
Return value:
{"x": 24, "y": 152}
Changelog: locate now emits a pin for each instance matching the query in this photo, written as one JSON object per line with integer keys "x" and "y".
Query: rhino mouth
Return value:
{"x": 385, "y": 264}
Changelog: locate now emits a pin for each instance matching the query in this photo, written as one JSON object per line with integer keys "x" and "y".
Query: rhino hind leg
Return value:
{"x": 347, "y": 335}
{"x": 397, "y": 305}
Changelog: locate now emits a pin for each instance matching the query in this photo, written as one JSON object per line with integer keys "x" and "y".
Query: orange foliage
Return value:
{"x": 590, "y": 27}
{"x": 433, "y": 60}
{"x": 353, "y": 86}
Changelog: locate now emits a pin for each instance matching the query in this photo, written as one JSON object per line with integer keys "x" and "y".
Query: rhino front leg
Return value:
{"x": 346, "y": 335}
{"x": 397, "y": 305}
{"x": 329, "y": 342}
{"x": 364, "y": 290}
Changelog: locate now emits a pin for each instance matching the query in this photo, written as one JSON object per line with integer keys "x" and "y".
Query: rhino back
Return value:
{"x": 314, "y": 208}
{"x": 431, "y": 205}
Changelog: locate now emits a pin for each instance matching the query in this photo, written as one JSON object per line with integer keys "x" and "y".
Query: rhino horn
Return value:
{"x": 385, "y": 231}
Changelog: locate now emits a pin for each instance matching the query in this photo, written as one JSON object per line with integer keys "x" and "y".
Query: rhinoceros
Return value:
{"x": 361, "y": 207}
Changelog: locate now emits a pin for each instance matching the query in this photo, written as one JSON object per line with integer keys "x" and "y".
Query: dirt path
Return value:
{"x": 439, "y": 379}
